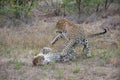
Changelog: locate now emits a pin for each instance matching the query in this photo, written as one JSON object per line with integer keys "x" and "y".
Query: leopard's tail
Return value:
{"x": 97, "y": 34}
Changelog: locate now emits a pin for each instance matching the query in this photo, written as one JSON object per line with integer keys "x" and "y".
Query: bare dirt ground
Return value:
{"x": 16, "y": 57}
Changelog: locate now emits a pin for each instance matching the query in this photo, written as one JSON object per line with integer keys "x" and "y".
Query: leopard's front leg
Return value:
{"x": 59, "y": 36}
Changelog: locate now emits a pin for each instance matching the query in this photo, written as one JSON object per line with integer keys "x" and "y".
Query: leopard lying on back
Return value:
{"x": 74, "y": 35}
{"x": 47, "y": 56}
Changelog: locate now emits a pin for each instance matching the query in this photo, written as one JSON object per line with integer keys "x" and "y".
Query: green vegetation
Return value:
{"x": 53, "y": 63}
{"x": 17, "y": 63}
{"x": 59, "y": 73}
{"x": 22, "y": 8}
{"x": 35, "y": 51}
{"x": 85, "y": 6}
{"x": 76, "y": 68}
{"x": 17, "y": 8}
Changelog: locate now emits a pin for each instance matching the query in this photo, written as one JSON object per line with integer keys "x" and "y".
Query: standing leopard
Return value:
{"x": 73, "y": 34}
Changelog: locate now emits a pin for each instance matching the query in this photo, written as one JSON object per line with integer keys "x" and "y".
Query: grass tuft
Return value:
{"x": 59, "y": 73}
{"x": 76, "y": 68}
{"x": 18, "y": 64}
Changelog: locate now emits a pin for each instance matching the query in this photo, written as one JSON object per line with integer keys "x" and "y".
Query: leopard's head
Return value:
{"x": 38, "y": 60}
{"x": 61, "y": 26}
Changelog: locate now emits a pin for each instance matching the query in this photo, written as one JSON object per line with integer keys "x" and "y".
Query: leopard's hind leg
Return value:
{"x": 86, "y": 48}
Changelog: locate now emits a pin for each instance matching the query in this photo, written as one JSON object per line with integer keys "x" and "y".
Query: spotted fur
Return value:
{"x": 74, "y": 34}
{"x": 47, "y": 56}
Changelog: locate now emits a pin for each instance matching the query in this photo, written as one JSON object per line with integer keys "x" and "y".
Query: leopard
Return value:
{"x": 47, "y": 56}
{"x": 74, "y": 34}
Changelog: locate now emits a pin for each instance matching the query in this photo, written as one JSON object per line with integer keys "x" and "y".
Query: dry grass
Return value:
{"x": 26, "y": 37}
{"x": 19, "y": 45}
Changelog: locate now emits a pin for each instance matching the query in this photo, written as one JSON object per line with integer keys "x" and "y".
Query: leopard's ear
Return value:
{"x": 57, "y": 19}
{"x": 43, "y": 51}
{"x": 65, "y": 26}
